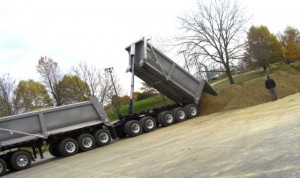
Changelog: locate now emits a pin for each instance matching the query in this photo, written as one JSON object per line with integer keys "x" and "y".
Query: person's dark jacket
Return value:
{"x": 270, "y": 83}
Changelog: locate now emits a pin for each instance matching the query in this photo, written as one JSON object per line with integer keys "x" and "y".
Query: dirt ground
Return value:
{"x": 251, "y": 93}
{"x": 257, "y": 141}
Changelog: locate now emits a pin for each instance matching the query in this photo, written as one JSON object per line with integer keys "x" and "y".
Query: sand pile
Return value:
{"x": 251, "y": 93}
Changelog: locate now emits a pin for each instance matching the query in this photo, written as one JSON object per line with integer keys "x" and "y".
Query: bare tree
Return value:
{"x": 108, "y": 92}
{"x": 98, "y": 81}
{"x": 146, "y": 88}
{"x": 213, "y": 33}
{"x": 90, "y": 75}
{"x": 187, "y": 62}
{"x": 106, "y": 89}
{"x": 50, "y": 76}
{"x": 164, "y": 45}
{"x": 199, "y": 68}
{"x": 7, "y": 85}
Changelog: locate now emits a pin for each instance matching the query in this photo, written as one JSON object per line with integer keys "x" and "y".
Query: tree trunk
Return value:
{"x": 229, "y": 75}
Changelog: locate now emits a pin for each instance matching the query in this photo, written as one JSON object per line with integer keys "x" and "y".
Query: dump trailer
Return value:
{"x": 163, "y": 74}
{"x": 65, "y": 130}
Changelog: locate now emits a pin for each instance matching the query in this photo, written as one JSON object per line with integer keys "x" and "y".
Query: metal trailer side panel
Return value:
{"x": 15, "y": 129}
{"x": 163, "y": 74}
{"x": 41, "y": 124}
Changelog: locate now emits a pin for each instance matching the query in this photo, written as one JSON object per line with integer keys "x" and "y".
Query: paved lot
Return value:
{"x": 260, "y": 141}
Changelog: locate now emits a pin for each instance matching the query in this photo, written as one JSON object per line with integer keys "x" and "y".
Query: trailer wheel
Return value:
{"x": 133, "y": 128}
{"x": 148, "y": 124}
{"x": 102, "y": 137}
{"x": 68, "y": 147}
{"x": 191, "y": 110}
{"x": 86, "y": 142}
{"x": 179, "y": 114}
{"x": 166, "y": 118}
{"x": 53, "y": 150}
{"x": 20, "y": 160}
{"x": 3, "y": 167}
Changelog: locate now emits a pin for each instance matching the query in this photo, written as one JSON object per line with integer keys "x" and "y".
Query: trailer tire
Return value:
{"x": 159, "y": 118}
{"x": 191, "y": 110}
{"x": 68, "y": 147}
{"x": 86, "y": 142}
{"x": 133, "y": 128}
{"x": 53, "y": 150}
{"x": 20, "y": 160}
{"x": 179, "y": 114}
{"x": 148, "y": 124}
{"x": 166, "y": 118}
{"x": 3, "y": 167}
{"x": 102, "y": 137}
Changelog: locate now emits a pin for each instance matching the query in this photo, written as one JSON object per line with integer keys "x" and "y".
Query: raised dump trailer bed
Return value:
{"x": 163, "y": 74}
{"x": 67, "y": 129}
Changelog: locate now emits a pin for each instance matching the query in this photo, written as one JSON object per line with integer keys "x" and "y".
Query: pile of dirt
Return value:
{"x": 251, "y": 93}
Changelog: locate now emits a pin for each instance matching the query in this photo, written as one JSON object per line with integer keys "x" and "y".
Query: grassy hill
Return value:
{"x": 239, "y": 79}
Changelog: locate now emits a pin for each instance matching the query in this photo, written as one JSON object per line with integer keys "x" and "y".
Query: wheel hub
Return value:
{"x": 149, "y": 124}
{"x": 87, "y": 142}
{"x": 169, "y": 118}
{"x": 104, "y": 137}
{"x": 181, "y": 114}
{"x": 135, "y": 128}
{"x": 70, "y": 147}
{"x": 22, "y": 161}
{"x": 193, "y": 111}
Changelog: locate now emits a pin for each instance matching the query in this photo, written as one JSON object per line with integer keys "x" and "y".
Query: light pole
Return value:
{"x": 110, "y": 70}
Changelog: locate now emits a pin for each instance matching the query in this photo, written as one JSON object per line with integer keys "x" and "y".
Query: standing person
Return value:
{"x": 270, "y": 85}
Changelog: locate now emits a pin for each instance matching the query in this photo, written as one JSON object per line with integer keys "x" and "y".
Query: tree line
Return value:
{"x": 264, "y": 48}
{"x": 55, "y": 88}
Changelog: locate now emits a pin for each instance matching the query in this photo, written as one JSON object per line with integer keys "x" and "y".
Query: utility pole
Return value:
{"x": 110, "y": 70}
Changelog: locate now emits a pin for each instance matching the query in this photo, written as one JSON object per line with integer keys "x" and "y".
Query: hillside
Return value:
{"x": 249, "y": 90}
{"x": 250, "y": 93}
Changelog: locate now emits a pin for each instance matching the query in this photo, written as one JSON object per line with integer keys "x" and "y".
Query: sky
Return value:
{"x": 97, "y": 32}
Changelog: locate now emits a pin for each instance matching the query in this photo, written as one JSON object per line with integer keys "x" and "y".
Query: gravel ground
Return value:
{"x": 258, "y": 141}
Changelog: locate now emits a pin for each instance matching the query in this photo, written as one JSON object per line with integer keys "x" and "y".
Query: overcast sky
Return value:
{"x": 98, "y": 31}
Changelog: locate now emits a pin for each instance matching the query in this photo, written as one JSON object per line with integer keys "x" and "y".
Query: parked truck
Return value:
{"x": 66, "y": 130}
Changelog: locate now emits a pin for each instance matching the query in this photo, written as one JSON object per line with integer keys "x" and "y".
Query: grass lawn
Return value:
{"x": 139, "y": 106}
